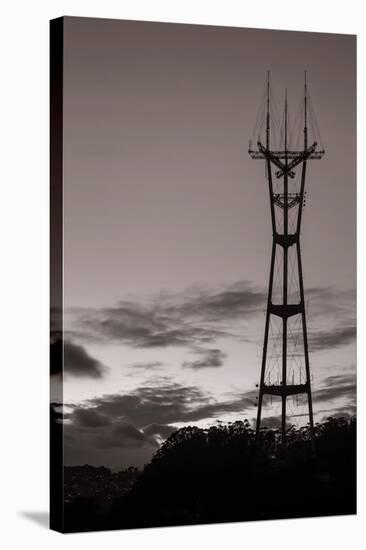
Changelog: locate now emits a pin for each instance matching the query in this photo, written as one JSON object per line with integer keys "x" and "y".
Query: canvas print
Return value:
{"x": 203, "y": 274}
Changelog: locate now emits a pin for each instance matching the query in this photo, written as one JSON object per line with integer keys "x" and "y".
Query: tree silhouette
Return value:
{"x": 223, "y": 474}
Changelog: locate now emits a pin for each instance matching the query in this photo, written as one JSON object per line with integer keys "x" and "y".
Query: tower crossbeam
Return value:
{"x": 255, "y": 154}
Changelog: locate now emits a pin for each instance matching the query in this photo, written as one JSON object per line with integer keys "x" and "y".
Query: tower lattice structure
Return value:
{"x": 286, "y": 170}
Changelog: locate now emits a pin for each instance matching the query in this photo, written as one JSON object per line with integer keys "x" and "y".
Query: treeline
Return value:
{"x": 222, "y": 474}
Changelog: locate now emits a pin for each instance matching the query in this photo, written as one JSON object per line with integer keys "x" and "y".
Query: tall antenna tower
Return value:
{"x": 285, "y": 371}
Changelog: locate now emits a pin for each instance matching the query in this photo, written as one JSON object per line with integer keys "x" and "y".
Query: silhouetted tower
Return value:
{"x": 285, "y": 370}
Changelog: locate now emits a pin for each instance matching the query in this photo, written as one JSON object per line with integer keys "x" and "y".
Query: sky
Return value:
{"x": 167, "y": 232}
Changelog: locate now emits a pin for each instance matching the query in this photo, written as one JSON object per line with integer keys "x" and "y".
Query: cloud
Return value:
{"x": 340, "y": 412}
{"x": 336, "y": 387}
{"x": 332, "y": 339}
{"x": 190, "y": 318}
{"x": 335, "y": 397}
{"x": 75, "y": 360}
{"x": 331, "y": 302}
{"x": 237, "y": 300}
{"x": 155, "y": 403}
{"x": 168, "y": 403}
{"x": 90, "y": 418}
{"x": 336, "y": 310}
{"x": 210, "y": 358}
{"x": 147, "y": 365}
{"x": 133, "y": 424}
{"x": 124, "y": 435}
{"x": 199, "y": 315}
{"x": 161, "y": 430}
{"x": 144, "y": 327}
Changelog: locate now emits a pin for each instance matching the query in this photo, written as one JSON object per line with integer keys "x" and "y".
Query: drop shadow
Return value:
{"x": 40, "y": 518}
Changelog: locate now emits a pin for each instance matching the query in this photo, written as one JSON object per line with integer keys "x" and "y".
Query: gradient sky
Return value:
{"x": 167, "y": 232}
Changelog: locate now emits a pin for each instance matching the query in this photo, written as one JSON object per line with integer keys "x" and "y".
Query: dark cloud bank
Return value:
{"x": 77, "y": 361}
{"x": 130, "y": 427}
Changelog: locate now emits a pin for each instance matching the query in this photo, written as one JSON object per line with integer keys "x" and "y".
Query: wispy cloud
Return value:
{"x": 187, "y": 319}
{"x": 239, "y": 300}
{"x": 199, "y": 316}
{"x": 333, "y": 338}
{"x": 209, "y": 358}
{"x": 337, "y": 387}
{"x": 331, "y": 302}
{"x": 146, "y": 366}
{"x": 144, "y": 327}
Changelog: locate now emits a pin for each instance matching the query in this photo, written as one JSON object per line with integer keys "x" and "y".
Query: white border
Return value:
{"x": 24, "y": 267}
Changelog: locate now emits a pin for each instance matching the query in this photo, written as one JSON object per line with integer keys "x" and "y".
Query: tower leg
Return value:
{"x": 306, "y": 349}
{"x": 284, "y": 301}
{"x": 283, "y": 421}
{"x": 265, "y": 345}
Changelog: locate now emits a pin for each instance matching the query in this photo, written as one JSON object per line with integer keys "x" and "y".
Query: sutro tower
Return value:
{"x": 286, "y": 149}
